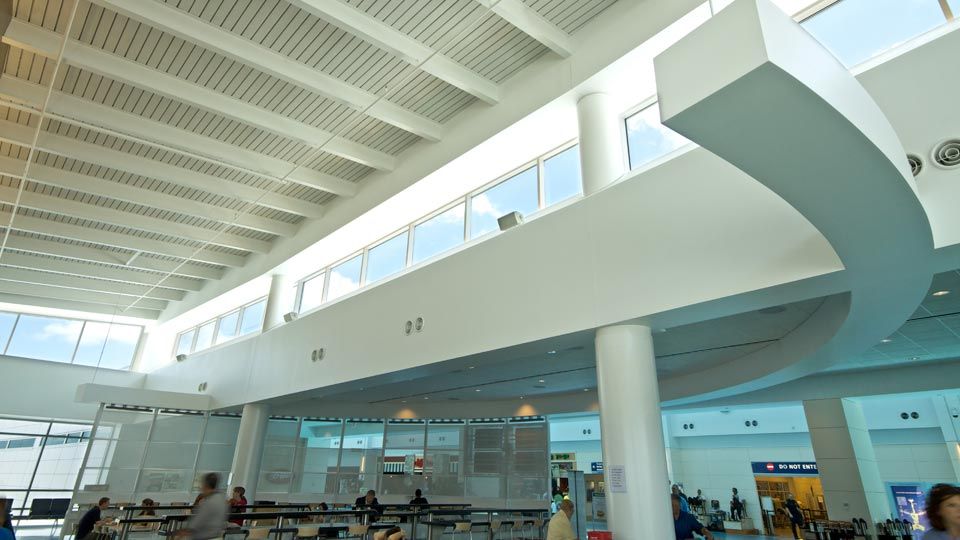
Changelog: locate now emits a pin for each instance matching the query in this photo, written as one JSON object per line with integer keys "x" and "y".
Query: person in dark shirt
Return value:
{"x": 6, "y": 520}
{"x": 684, "y": 524}
{"x": 796, "y": 515}
{"x": 368, "y": 501}
{"x": 418, "y": 498}
{"x": 91, "y": 518}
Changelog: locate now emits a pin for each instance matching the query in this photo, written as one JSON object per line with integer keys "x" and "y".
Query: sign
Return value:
{"x": 790, "y": 468}
{"x": 572, "y": 456}
{"x": 617, "y": 476}
{"x": 596, "y": 466}
{"x": 911, "y": 505}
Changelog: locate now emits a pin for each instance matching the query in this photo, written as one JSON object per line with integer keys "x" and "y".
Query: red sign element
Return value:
{"x": 770, "y": 467}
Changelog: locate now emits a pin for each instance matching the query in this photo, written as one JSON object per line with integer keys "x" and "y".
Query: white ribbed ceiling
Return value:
{"x": 168, "y": 140}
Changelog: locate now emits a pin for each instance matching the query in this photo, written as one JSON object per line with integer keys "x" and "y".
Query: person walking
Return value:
{"x": 209, "y": 518}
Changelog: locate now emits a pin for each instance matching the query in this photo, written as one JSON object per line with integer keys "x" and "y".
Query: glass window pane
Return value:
{"x": 344, "y": 278}
{"x": 6, "y": 325}
{"x": 228, "y": 326}
{"x": 59, "y": 464}
{"x": 517, "y": 193}
{"x": 387, "y": 258}
{"x": 561, "y": 176}
{"x": 857, "y": 30}
{"x": 45, "y": 338}
{"x": 360, "y": 459}
{"x": 108, "y": 346}
{"x": 185, "y": 341}
{"x": 438, "y": 234}
{"x": 205, "y": 336}
{"x": 252, "y": 319}
{"x": 320, "y": 445}
{"x": 648, "y": 139}
{"x": 312, "y": 295}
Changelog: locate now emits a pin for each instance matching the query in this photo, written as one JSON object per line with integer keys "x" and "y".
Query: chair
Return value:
{"x": 260, "y": 533}
{"x": 308, "y": 532}
{"x": 357, "y": 531}
{"x": 495, "y": 526}
{"x": 463, "y": 526}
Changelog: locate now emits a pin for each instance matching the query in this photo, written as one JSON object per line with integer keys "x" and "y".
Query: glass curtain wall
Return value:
{"x": 138, "y": 453}
{"x": 39, "y": 460}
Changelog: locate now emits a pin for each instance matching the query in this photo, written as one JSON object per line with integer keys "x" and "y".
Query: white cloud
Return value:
{"x": 63, "y": 330}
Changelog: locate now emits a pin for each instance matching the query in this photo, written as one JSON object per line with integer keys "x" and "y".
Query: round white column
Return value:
{"x": 245, "y": 470}
{"x": 632, "y": 434}
{"x": 601, "y": 150}
{"x": 279, "y": 301}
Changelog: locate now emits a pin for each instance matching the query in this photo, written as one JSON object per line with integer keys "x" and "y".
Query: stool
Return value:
{"x": 357, "y": 531}
{"x": 463, "y": 526}
{"x": 308, "y": 532}
{"x": 258, "y": 534}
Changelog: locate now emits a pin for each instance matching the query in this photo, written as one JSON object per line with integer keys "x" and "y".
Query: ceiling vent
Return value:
{"x": 947, "y": 154}
{"x": 916, "y": 164}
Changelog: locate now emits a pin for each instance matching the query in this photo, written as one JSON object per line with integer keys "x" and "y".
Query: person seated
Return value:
{"x": 418, "y": 498}
{"x": 237, "y": 503}
{"x": 560, "y": 527}
{"x": 147, "y": 510}
{"x": 393, "y": 533}
{"x": 684, "y": 505}
{"x": 684, "y": 524}
{"x": 91, "y": 519}
{"x": 369, "y": 501}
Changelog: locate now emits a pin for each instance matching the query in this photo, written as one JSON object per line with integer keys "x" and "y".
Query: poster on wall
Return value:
{"x": 910, "y": 503}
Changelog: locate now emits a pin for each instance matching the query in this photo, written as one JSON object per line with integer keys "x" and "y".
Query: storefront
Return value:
{"x": 775, "y": 480}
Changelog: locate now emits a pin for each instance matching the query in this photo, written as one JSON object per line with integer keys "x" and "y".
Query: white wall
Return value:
{"x": 46, "y": 390}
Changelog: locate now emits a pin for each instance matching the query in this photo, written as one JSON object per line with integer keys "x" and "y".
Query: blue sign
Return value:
{"x": 596, "y": 466}
{"x": 792, "y": 468}
{"x": 910, "y": 503}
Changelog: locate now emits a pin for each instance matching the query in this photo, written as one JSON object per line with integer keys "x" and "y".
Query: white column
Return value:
{"x": 279, "y": 301}
{"x": 632, "y": 434}
{"x": 852, "y": 487}
{"x": 246, "y": 457}
{"x": 601, "y": 148}
{"x": 947, "y": 407}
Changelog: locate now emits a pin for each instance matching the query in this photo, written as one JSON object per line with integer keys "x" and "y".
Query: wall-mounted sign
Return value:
{"x": 596, "y": 466}
{"x": 571, "y": 456}
{"x": 785, "y": 467}
{"x": 617, "y": 478}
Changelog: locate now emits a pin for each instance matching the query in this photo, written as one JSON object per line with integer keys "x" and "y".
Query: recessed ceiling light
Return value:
{"x": 477, "y": 390}
{"x": 586, "y": 389}
{"x": 404, "y": 401}
{"x": 915, "y": 358}
{"x": 885, "y": 340}
{"x": 427, "y": 397}
{"x": 551, "y": 352}
{"x": 541, "y": 380}
{"x": 472, "y": 367}
{"x": 941, "y": 293}
{"x": 661, "y": 330}
{"x": 521, "y": 397}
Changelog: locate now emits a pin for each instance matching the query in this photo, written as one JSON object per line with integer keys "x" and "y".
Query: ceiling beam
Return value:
{"x": 93, "y": 185}
{"x": 38, "y": 39}
{"x": 85, "y": 283}
{"x": 111, "y": 216}
{"x": 62, "y": 145}
{"x": 63, "y": 293}
{"x": 61, "y": 303}
{"x": 408, "y": 49}
{"x": 186, "y": 277}
{"x": 120, "y": 240}
{"x": 215, "y": 38}
{"x": 531, "y": 23}
{"x": 116, "y": 122}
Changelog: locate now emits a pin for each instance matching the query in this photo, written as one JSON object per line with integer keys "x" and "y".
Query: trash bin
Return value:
{"x": 599, "y": 535}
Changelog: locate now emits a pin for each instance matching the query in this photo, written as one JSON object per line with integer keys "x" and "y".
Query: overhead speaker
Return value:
{"x": 510, "y": 220}
{"x": 181, "y": 357}
{"x": 290, "y": 317}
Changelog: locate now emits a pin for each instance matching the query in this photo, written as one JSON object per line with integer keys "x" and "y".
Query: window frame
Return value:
{"x": 76, "y": 346}
{"x": 536, "y": 164}
{"x": 380, "y": 242}
{"x": 216, "y": 328}
{"x": 329, "y": 269}
{"x": 443, "y": 209}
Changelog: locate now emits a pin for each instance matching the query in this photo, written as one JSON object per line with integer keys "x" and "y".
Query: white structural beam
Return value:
{"x": 531, "y": 23}
{"x": 93, "y": 185}
{"x": 49, "y": 291}
{"x": 186, "y": 276}
{"x": 84, "y": 283}
{"x": 190, "y": 28}
{"x": 96, "y": 116}
{"x": 120, "y": 240}
{"x": 89, "y": 307}
{"x": 92, "y": 212}
{"x": 37, "y": 39}
{"x": 396, "y": 42}
{"x": 176, "y": 284}
{"x": 92, "y": 153}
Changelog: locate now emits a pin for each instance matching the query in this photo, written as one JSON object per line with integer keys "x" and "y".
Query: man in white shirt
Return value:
{"x": 560, "y": 528}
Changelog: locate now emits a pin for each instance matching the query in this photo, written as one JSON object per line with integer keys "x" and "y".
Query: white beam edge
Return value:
{"x": 531, "y": 23}
{"x": 89, "y": 307}
{"x": 37, "y": 276}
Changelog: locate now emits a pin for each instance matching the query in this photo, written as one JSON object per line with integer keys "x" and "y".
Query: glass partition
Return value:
{"x": 444, "y": 457}
{"x": 318, "y": 458}
{"x": 403, "y": 457}
{"x": 279, "y": 452}
{"x": 485, "y": 466}
{"x": 515, "y": 194}
{"x": 360, "y": 457}
{"x": 218, "y": 445}
{"x": 168, "y": 466}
